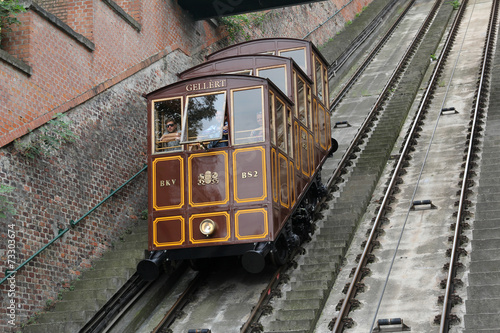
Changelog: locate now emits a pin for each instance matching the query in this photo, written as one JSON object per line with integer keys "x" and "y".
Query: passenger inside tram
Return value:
{"x": 257, "y": 132}
{"x": 172, "y": 135}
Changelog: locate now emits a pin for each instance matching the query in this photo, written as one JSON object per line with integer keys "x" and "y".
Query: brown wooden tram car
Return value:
{"x": 241, "y": 162}
{"x": 214, "y": 192}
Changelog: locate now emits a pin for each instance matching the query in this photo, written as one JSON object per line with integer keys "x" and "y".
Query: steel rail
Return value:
{"x": 123, "y": 300}
{"x": 359, "y": 40}
{"x": 183, "y": 299}
{"x": 117, "y": 304}
{"x": 264, "y": 298}
{"x": 369, "y": 58}
{"x": 339, "y": 322}
{"x": 383, "y": 95}
{"x": 445, "y": 322}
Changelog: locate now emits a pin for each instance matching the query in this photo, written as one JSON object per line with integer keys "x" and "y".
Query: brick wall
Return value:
{"x": 57, "y": 7}
{"x": 80, "y": 17}
{"x": 100, "y": 92}
{"x": 132, "y": 7}
{"x": 317, "y": 22}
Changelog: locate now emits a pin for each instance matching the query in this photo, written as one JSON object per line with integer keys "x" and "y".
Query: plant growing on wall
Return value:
{"x": 8, "y": 11}
{"x": 239, "y": 25}
{"x": 48, "y": 139}
{"x": 6, "y": 206}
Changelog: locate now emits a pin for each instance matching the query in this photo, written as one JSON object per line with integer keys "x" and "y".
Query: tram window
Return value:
{"x": 280, "y": 125}
{"x": 298, "y": 55}
{"x": 167, "y": 120}
{"x": 325, "y": 82}
{"x": 276, "y": 74}
{"x": 204, "y": 118}
{"x": 315, "y": 116}
{"x": 319, "y": 79}
{"x": 288, "y": 121}
{"x": 283, "y": 182}
{"x": 294, "y": 89}
{"x": 301, "y": 101}
{"x": 309, "y": 108}
{"x": 248, "y": 116}
{"x": 271, "y": 118}
{"x": 322, "y": 127}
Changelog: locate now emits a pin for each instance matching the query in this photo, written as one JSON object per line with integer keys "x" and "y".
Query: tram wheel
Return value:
{"x": 335, "y": 146}
{"x": 279, "y": 255}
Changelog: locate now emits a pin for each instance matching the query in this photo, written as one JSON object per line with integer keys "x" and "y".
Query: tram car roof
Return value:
{"x": 275, "y": 45}
{"x": 251, "y": 63}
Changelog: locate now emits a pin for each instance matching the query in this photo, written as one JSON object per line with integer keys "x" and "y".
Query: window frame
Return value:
{"x": 257, "y": 70}
{"x": 153, "y": 138}
{"x": 295, "y": 49}
{"x": 233, "y": 117}
{"x": 185, "y": 120}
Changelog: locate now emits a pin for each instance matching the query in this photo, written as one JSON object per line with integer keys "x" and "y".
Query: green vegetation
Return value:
{"x": 455, "y": 4}
{"x": 48, "y": 139}
{"x": 31, "y": 320}
{"x": 6, "y": 206}
{"x": 8, "y": 11}
{"x": 239, "y": 25}
{"x": 49, "y": 304}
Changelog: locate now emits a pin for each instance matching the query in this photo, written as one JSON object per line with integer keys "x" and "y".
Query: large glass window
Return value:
{"x": 298, "y": 55}
{"x": 277, "y": 75}
{"x": 280, "y": 125}
{"x": 315, "y": 117}
{"x": 327, "y": 91}
{"x": 271, "y": 118}
{"x": 319, "y": 79}
{"x": 322, "y": 127}
{"x": 283, "y": 185}
{"x": 309, "y": 109}
{"x": 301, "y": 101}
{"x": 204, "y": 118}
{"x": 288, "y": 121}
{"x": 166, "y": 125}
{"x": 248, "y": 121}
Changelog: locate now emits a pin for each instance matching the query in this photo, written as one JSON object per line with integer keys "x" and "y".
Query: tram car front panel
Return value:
{"x": 209, "y": 200}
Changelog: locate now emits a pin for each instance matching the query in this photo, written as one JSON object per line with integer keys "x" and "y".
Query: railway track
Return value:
{"x": 368, "y": 154}
{"x": 395, "y": 294}
{"x": 358, "y": 173}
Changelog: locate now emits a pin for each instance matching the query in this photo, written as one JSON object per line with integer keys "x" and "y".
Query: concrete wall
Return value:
{"x": 97, "y": 82}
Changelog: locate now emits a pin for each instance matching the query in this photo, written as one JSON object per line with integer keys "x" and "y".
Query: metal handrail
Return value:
{"x": 72, "y": 223}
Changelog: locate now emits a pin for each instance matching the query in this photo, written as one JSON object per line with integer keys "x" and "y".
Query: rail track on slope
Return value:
{"x": 355, "y": 178}
{"x": 387, "y": 208}
{"x": 475, "y": 133}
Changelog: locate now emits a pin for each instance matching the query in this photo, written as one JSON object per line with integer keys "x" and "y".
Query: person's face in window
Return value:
{"x": 171, "y": 127}
{"x": 259, "y": 119}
